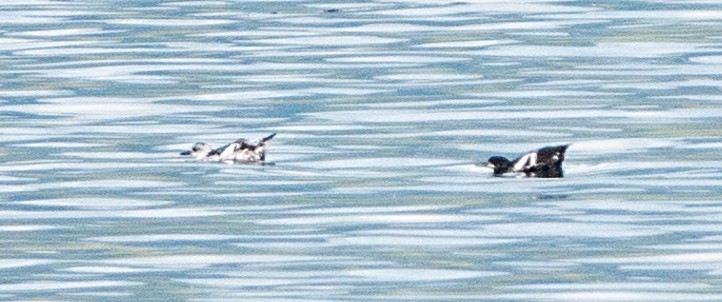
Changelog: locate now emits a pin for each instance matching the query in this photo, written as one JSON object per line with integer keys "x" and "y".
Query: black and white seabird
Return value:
{"x": 545, "y": 163}
{"x": 239, "y": 151}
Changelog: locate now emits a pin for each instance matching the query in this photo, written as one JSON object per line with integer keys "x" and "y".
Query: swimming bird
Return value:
{"x": 545, "y": 162}
{"x": 241, "y": 151}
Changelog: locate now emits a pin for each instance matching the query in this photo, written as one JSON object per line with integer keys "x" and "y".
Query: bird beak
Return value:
{"x": 185, "y": 153}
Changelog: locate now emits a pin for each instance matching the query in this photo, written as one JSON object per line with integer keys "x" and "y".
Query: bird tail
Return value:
{"x": 267, "y": 138}
{"x": 564, "y": 148}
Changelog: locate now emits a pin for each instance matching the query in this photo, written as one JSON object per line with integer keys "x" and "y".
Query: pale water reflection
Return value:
{"x": 382, "y": 110}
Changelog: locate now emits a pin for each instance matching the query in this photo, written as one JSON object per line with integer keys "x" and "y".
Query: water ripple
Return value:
{"x": 382, "y": 110}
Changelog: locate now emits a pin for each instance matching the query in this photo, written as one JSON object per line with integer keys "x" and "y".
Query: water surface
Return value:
{"x": 382, "y": 110}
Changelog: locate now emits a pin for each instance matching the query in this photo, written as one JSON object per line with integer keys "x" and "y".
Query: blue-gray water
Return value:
{"x": 382, "y": 109}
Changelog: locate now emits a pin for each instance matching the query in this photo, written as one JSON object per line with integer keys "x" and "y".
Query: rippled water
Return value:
{"x": 382, "y": 109}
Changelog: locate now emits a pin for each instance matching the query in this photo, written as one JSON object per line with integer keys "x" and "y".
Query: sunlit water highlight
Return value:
{"x": 382, "y": 110}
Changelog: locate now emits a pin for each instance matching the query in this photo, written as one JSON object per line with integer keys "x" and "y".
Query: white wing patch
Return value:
{"x": 227, "y": 152}
{"x": 524, "y": 162}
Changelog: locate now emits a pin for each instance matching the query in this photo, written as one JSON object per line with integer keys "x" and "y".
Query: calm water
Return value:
{"x": 382, "y": 109}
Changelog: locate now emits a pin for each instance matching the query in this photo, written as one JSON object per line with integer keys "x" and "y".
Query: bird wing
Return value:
{"x": 525, "y": 162}
{"x": 226, "y": 151}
